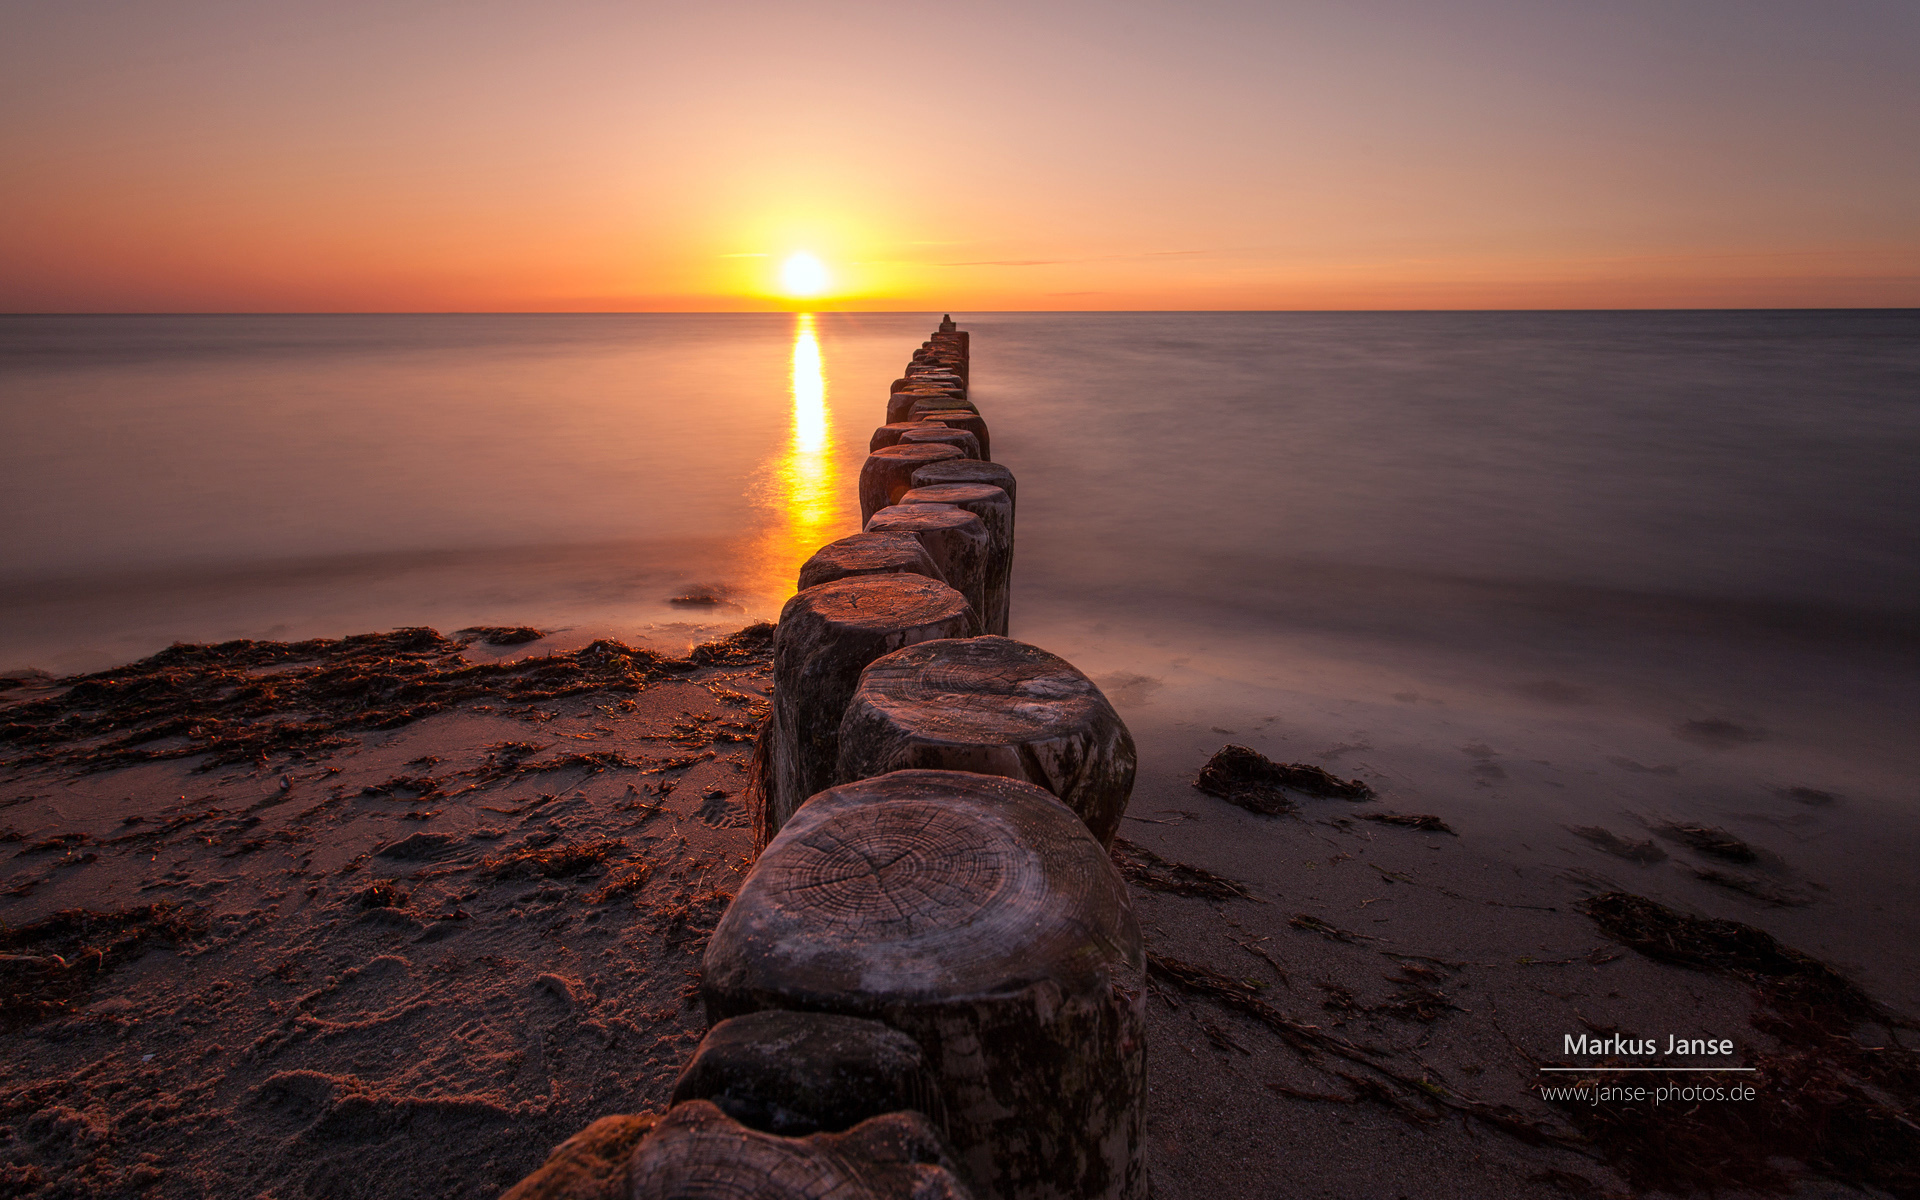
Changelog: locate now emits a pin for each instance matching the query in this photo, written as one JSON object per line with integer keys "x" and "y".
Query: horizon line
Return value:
{"x": 778, "y": 312}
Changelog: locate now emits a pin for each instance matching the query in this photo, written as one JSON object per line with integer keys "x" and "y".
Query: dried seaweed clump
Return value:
{"x": 1425, "y": 822}
{"x": 551, "y": 861}
{"x": 1708, "y": 840}
{"x": 501, "y": 635}
{"x": 46, "y": 964}
{"x": 1143, "y": 868}
{"x": 1642, "y": 852}
{"x": 1255, "y": 782}
{"x": 1825, "y": 1096}
{"x": 242, "y": 701}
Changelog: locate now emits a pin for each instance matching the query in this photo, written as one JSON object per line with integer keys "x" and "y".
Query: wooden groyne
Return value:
{"x": 931, "y": 983}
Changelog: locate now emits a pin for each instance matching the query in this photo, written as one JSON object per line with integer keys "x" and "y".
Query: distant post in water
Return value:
{"x": 956, "y": 540}
{"x": 887, "y": 474}
{"x": 995, "y": 510}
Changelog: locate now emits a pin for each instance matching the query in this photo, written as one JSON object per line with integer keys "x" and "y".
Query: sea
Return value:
{"x": 1535, "y": 572}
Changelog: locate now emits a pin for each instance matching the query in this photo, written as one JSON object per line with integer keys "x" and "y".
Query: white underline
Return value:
{"x": 1586, "y": 1069}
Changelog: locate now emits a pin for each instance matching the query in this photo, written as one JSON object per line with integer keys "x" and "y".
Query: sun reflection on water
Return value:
{"x": 809, "y": 494}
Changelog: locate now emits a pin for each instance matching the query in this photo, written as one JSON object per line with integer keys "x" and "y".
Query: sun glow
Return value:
{"x": 804, "y": 275}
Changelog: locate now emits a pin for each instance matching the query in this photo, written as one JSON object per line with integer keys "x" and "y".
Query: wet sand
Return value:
{"x": 410, "y": 961}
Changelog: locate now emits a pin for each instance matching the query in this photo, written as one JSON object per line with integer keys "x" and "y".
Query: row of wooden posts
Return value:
{"x": 931, "y": 983}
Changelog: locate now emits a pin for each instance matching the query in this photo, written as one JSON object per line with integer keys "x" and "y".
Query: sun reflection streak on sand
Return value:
{"x": 806, "y": 485}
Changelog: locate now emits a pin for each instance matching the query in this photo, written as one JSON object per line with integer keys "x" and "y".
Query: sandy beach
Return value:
{"x": 398, "y": 914}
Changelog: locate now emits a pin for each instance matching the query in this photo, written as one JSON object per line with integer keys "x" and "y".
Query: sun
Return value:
{"x": 804, "y": 275}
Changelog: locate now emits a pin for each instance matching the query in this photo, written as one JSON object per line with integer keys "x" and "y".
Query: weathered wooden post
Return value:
{"x": 998, "y": 707}
{"x": 960, "y": 418}
{"x": 868, "y": 554}
{"x": 826, "y": 636}
{"x": 900, "y": 404}
{"x": 697, "y": 1152}
{"x": 965, "y": 470}
{"x": 956, "y": 540}
{"x": 995, "y": 509}
{"x": 795, "y": 1073}
{"x": 938, "y": 402}
{"x": 950, "y": 384}
{"x": 889, "y": 435}
{"x": 887, "y": 474}
{"x": 943, "y": 435}
{"x": 979, "y": 917}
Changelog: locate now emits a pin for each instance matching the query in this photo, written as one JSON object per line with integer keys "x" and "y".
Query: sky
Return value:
{"x": 402, "y": 155}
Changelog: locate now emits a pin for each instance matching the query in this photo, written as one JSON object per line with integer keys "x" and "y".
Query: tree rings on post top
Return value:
{"x": 944, "y": 435}
{"x": 976, "y": 915}
{"x": 868, "y": 554}
{"x": 887, "y": 474}
{"x": 826, "y": 637}
{"x": 966, "y": 470}
{"x": 697, "y": 1152}
{"x": 956, "y": 540}
{"x": 999, "y": 707}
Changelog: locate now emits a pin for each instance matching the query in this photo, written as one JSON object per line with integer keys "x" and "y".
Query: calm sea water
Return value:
{"x": 1524, "y": 567}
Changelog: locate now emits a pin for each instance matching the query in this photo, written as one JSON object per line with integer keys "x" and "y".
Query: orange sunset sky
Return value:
{"x": 252, "y": 155}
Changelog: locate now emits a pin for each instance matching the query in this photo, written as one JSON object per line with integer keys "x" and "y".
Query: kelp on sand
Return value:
{"x": 1848, "y": 1109}
{"x": 243, "y": 701}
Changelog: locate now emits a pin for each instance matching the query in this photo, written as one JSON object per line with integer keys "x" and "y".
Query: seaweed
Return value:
{"x": 245, "y": 701}
{"x": 550, "y": 861}
{"x": 1643, "y": 852}
{"x": 419, "y": 785}
{"x": 501, "y": 635}
{"x": 383, "y": 894}
{"x": 1747, "y": 885}
{"x": 1256, "y": 783}
{"x": 1422, "y": 821}
{"x": 1845, "y": 1109}
{"x": 1309, "y": 1040}
{"x": 1717, "y": 843}
{"x": 1308, "y": 923}
{"x": 46, "y": 965}
{"x": 1143, "y": 868}
{"x": 627, "y": 882}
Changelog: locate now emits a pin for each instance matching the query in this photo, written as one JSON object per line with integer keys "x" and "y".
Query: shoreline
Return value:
{"x": 522, "y": 971}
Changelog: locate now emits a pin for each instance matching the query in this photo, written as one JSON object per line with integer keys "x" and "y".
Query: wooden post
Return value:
{"x": 923, "y": 403}
{"x": 889, "y": 434}
{"x": 900, "y": 404}
{"x": 697, "y": 1152}
{"x": 887, "y": 474}
{"x": 995, "y": 509}
{"x": 976, "y": 915}
{"x": 826, "y": 637}
{"x": 799, "y": 1073}
{"x": 907, "y": 383}
{"x": 956, "y": 541}
{"x": 998, "y": 707}
{"x": 965, "y": 470}
{"x": 961, "y": 418}
{"x": 868, "y": 554}
{"x": 944, "y": 435}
